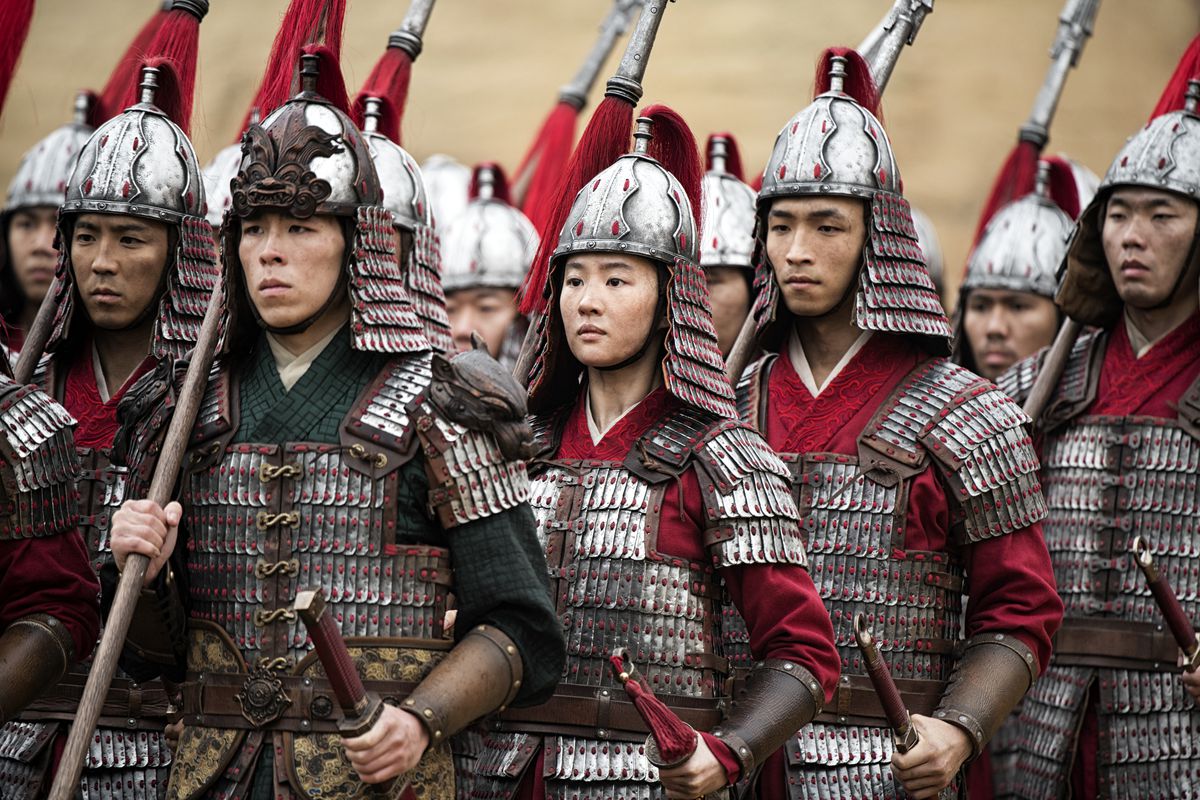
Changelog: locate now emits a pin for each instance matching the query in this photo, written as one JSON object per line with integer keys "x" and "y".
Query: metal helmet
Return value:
{"x": 836, "y": 146}
{"x": 448, "y": 187}
{"x": 140, "y": 163}
{"x": 1087, "y": 183}
{"x": 42, "y": 176}
{"x": 728, "y": 214}
{"x": 307, "y": 158}
{"x": 1164, "y": 155}
{"x": 637, "y": 206}
{"x": 404, "y": 196}
{"x": 217, "y": 176}
{"x": 491, "y": 243}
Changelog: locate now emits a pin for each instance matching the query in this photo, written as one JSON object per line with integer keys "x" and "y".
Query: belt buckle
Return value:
{"x": 262, "y": 697}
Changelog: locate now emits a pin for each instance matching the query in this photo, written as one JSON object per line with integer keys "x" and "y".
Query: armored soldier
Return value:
{"x": 915, "y": 479}
{"x": 654, "y": 505}
{"x": 333, "y": 450}
{"x": 1112, "y": 717}
{"x": 449, "y": 186}
{"x": 487, "y": 250}
{"x": 727, "y": 250}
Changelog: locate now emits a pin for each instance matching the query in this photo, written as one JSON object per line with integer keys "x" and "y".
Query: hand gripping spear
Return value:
{"x": 1168, "y": 604}
{"x": 104, "y": 663}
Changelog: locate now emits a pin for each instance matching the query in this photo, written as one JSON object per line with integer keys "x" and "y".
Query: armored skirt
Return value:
{"x": 655, "y": 535}
{"x": 916, "y": 487}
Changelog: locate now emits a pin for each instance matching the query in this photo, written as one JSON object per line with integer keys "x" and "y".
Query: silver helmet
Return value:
{"x": 217, "y": 175}
{"x": 491, "y": 244}
{"x": 728, "y": 214}
{"x": 637, "y": 206}
{"x": 835, "y": 146}
{"x": 140, "y": 163}
{"x": 448, "y": 187}
{"x": 41, "y": 179}
{"x": 1165, "y": 155}
{"x": 404, "y": 196}
{"x": 308, "y": 158}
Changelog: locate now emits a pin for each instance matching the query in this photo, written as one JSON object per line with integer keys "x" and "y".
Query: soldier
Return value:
{"x": 727, "y": 251}
{"x": 653, "y": 502}
{"x": 487, "y": 250}
{"x": 915, "y": 479}
{"x": 1111, "y": 716}
{"x": 333, "y": 449}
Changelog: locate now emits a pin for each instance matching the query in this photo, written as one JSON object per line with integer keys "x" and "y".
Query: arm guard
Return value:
{"x": 994, "y": 673}
{"x": 35, "y": 652}
{"x": 780, "y": 699}
{"x": 480, "y": 675}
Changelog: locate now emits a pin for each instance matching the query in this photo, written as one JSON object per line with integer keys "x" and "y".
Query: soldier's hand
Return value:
{"x": 696, "y": 777}
{"x": 145, "y": 527}
{"x": 931, "y": 765}
{"x": 392, "y": 747}
{"x": 1191, "y": 681}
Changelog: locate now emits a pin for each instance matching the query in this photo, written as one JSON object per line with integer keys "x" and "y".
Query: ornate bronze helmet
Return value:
{"x": 308, "y": 158}
{"x": 491, "y": 244}
{"x": 141, "y": 163}
{"x": 728, "y": 212}
{"x": 836, "y": 146}
{"x": 1165, "y": 155}
{"x": 638, "y": 206}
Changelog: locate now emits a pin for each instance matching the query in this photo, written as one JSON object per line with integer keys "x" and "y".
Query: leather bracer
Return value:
{"x": 993, "y": 674}
{"x": 156, "y": 630}
{"x": 480, "y": 675}
{"x": 781, "y": 697}
{"x": 35, "y": 652}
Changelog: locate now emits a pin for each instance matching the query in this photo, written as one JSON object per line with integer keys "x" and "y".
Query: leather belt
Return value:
{"x": 126, "y": 705}
{"x": 856, "y": 702}
{"x": 1115, "y": 643}
{"x": 603, "y": 713}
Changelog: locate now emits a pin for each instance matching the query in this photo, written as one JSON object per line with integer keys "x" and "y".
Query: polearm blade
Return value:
{"x": 1168, "y": 603}
{"x": 104, "y": 663}
{"x": 900, "y": 27}
{"x": 1075, "y": 25}
{"x": 904, "y": 734}
{"x": 613, "y": 28}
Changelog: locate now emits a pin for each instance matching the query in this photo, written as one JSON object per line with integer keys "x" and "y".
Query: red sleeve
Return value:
{"x": 51, "y": 576}
{"x": 1012, "y": 590}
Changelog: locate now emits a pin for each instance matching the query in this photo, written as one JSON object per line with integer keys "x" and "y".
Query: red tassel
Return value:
{"x": 858, "y": 83}
{"x": 500, "y": 190}
{"x": 116, "y": 95}
{"x": 331, "y": 84}
{"x": 173, "y": 96}
{"x": 1017, "y": 178}
{"x": 605, "y": 139}
{"x": 674, "y": 147}
{"x": 15, "y": 18}
{"x": 389, "y": 82}
{"x": 1064, "y": 190}
{"x": 177, "y": 42}
{"x": 1175, "y": 93}
{"x": 756, "y": 184}
{"x": 304, "y": 22}
{"x": 547, "y": 158}
{"x": 675, "y": 738}
{"x": 733, "y": 155}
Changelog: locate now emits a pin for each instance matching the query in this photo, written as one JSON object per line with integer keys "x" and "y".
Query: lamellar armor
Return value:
{"x": 1107, "y": 480}
{"x": 404, "y": 195}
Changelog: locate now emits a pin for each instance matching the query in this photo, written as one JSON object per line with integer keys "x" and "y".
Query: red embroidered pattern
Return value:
{"x": 81, "y": 397}
{"x": 1129, "y": 384}
{"x": 616, "y": 443}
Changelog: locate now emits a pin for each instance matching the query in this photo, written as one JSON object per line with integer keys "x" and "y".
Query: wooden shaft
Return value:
{"x": 743, "y": 348}
{"x": 525, "y": 357}
{"x": 1052, "y": 370}
{"x": 39, "y": 334}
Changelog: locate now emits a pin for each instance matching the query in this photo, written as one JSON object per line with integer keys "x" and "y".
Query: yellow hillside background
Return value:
{"x": 491, "y": 69}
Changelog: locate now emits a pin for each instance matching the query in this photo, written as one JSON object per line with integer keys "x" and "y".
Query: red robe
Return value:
{"x": 1130, "y": 386}
{"x": 1010, "y": 579}
{"x": 81, "y": 397}
{"x": 779, "y": 603}
{"x": 51, "y": 576}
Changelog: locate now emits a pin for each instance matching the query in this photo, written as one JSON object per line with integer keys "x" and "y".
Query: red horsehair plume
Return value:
{"x": 858, "y": 82}
{"x": 15, "y": 18}
{"x": 498, "y": 181}
{"x": 733, "y": 155}
{"x": 1175, "y": 93}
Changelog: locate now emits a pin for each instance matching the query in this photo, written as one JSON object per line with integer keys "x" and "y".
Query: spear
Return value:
{"x": 881, "y": 49}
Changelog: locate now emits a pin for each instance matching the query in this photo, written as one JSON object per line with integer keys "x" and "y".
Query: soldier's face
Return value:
{"x": 729, "y": 292}
{"x": 118, "y": 263}
{"x": 1147, "y": 236}
{"x": 291, "y": 265}
{"x": 607, "y": 303}
{"x": 1003, "y": 327}
{"x": 488, "y": 312}
{"x": 31, "y": 250}
{"x": 815, "y": 245}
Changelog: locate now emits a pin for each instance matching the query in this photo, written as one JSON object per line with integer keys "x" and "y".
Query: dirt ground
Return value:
{"x": 491, "y": 69}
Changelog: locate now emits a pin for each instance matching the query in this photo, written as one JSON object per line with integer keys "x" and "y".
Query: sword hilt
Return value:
{"x": 904, "y": 734}
{"x": 331, "y": 649}
{"x": 1168, "y": 604}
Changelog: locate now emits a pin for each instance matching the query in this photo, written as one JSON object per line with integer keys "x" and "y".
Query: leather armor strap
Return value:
{"x": 1115, "y": 643}
{"x": 602, "y": 713}
{"x": 126, "y": 705}
{"x": 994, "y": 673}
{"x": 781, "y": 697}
{"x": 480, "y": 675}
{"x": 855, "y": 701}
{"x": 35, "y": 651}
{"x": 156, "y": 631}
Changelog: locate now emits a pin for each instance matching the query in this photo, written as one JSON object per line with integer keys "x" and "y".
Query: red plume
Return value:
{"x": 1016, "y": 179}
{"x": 1176, "y": 91}
{"x": 171, "y": 96}
{"x": 176, "y": 40}
{"x": 733, "y": 155}
{"x": 858, "y": 83}
{"x": 674, "y": 147}
{"x": 388, "y": 81}
{"x": 605, "y": 139}
{"x": 121, "y": 90}
{"x": 1064, "y": 190}
{"x": 331, "y": 84}
{"x": 676, "y": 739}
{"x": 15, "y": 17}
{"x": 547, "y": 160}
{"x": 304, "y": 22}
{"x": 500, "y": 189}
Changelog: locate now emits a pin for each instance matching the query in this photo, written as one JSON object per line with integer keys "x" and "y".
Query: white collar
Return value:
{"x": 101, "y": 383}
{"x": 594, "y": 429}
{"x": 800, "y": 361}
{"x": 292, "y": 366}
